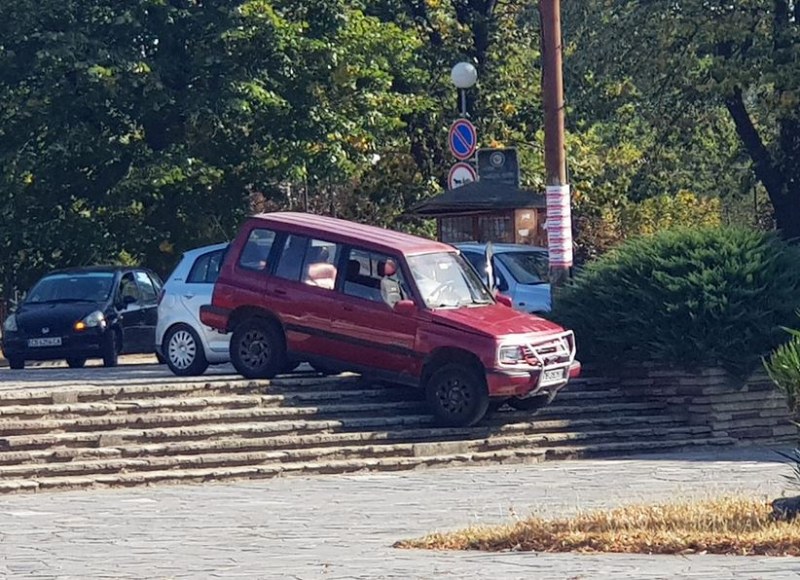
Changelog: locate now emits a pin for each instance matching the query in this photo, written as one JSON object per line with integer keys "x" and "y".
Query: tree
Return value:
{"x": 687, "y": 59}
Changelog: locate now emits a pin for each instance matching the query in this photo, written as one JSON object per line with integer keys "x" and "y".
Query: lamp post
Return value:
{"x": 464, "y": 76}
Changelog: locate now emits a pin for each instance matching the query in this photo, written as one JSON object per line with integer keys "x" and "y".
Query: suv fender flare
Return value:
{"x": 243, "y": 313}
{"x": 446, "y": 355}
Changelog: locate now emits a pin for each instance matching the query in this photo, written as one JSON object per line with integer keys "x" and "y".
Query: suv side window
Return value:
{"x": 256, "y": 250}
{"x": 368, "y": 273}
{"x": 310, "y": 261}
{"x": 205, "y": 269}
{"x": 146, "y": 287}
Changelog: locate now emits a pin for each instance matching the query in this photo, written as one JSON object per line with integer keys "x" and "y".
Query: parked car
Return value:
{"x": 345, "y": 296}
{"x": 520, "y": 271}
{"x": 81, "y": 313}
{"x": 185, "y": 343}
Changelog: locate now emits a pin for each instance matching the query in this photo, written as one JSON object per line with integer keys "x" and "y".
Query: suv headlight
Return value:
{"x": 10, "y": 325}
{"x": 510, "y": 354}
{"x": 93, "y": 320}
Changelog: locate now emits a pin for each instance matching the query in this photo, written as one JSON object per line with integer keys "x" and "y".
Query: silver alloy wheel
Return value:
{"x": 254, "y": 349}
{"x": 182, "y": 349}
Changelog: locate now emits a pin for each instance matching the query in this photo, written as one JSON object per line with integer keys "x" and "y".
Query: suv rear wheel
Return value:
{"x": 185, "y": 355}
{"x": 458, "y": 395}
{"x": 258, "y": 349}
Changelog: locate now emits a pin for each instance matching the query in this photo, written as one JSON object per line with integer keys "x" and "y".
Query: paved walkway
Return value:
{"x": 335, "y": 527}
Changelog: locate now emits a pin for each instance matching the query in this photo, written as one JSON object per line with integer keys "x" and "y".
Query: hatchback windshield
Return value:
{"x": 526, "y": 267}
{"x": 445, "y": 280}
{"x": 83, "y": 287}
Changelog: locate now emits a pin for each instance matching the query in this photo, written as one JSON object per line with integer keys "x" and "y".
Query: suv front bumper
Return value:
{"x": 517, "y": 383}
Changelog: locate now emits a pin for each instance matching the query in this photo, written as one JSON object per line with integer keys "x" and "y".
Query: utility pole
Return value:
{"x": 559, "y": 219}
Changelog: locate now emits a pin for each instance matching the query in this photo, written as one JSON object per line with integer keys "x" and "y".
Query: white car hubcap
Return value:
{"x": 182, "y": 349}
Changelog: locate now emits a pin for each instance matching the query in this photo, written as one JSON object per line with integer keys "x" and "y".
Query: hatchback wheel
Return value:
{"x": 76, "y": 363}
{"x": 258, "y": 349}
{"x": 458, "y": 395}
{"x": 110, "y": 349}
{"x": 184, "y": 351}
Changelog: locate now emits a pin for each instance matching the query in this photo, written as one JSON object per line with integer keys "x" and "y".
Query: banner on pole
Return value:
{"x": 559, "y": 226}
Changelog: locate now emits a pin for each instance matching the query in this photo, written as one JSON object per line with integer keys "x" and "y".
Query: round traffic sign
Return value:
{"x": 463, "y": 139}
{"x": 461, "y": 174}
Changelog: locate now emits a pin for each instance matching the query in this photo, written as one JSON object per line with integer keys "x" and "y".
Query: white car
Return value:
{"x": 187, "y": 346}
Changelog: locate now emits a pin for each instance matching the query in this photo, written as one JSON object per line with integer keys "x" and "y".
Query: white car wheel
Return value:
{"x": 184, "y": 352}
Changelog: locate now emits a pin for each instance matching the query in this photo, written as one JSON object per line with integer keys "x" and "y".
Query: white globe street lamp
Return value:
{"x": 464, "y": 76}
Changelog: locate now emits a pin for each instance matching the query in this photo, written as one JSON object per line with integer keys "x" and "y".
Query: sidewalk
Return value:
{"x": 344, "y": 526}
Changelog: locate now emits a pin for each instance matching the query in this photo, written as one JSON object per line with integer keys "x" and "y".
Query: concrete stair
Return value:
{"x": 72, "y": 436}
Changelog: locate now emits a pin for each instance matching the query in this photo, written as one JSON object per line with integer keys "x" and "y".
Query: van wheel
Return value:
{"x": 185, "y": 354}
{"x": 458, "y": 395}
{"x": 258, "y": 349}
{"x": 111, "y": 349}
{"x": 529, "y": 404}
{"x": 16, "y": 363}
{"x": 76, "y": 363}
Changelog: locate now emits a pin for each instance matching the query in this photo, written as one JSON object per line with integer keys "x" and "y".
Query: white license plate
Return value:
{"x": 552, "y": 376}
{"x": 49, "y": 341}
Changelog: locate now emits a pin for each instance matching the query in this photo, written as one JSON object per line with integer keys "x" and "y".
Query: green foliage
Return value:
{"x": 685, "y": 297}
{"x": 783, "y": 367}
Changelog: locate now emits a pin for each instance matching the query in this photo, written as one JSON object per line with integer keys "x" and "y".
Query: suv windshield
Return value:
{"x": 82, "y": 287}
{"x": 445, "y": 280}
{"x": 526, "y": 267}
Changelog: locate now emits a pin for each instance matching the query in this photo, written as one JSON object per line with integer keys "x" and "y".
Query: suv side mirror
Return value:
{"x": 503, "y": 299}
{"x": 405, "y": 307}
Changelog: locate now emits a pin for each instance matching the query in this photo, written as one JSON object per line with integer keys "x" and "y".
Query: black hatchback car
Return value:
{"x": 80, "y": 313}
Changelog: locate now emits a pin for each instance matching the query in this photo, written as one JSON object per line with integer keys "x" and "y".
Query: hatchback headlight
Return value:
{"x": 510, "y": 355}
{"x": 93, "y": 320}
{"x": 10, "y": 325}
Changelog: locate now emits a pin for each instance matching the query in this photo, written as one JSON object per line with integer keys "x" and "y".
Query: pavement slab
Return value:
{"x": 343, "y": 526}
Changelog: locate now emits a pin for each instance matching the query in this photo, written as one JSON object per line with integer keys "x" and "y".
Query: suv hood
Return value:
{"x": 494, "y": 320}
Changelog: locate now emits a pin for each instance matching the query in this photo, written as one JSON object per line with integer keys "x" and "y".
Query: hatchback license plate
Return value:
{"x": 49, "y": 341}
{"x": 552, "y": 376}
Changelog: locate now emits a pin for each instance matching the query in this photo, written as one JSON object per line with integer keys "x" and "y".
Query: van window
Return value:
{"x": 256, "y": 250}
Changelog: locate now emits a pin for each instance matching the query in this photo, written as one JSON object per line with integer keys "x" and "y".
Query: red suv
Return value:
{"x": 345, "y": 296}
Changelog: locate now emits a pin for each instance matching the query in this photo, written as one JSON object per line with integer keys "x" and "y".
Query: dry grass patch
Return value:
{"x": 720, "y": 526}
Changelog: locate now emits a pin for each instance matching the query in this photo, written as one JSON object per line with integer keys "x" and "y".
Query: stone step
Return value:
{"x": 133, "y": 459}
{"x": 203, "y": 474}
{"x": 304, "y": 432}
{"x": 128, "y": 444}
{"x": 187, "y": 403}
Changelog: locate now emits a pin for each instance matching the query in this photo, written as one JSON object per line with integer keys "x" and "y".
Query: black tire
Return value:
{"x": 258, "y": 349}
{"x": 160, "y": 358}
{"x": 16, "y": 363}
{"x": 529, "y": 404}
{"x": 76, "y": 362}
{"x": 111, "y": 349}
{"x": 185, "y": 356}
{"x": 458, "y": 395}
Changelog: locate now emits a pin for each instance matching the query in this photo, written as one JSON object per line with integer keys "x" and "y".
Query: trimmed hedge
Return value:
{"x": 685, "y": 297}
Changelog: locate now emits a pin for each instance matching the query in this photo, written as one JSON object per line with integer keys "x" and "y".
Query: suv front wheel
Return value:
{"x": 458, "y": 395}
{"x": 258, "y": 349}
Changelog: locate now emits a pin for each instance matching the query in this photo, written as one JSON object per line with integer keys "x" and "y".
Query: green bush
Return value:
{"x": 685, "y": 297}
{"x": 783, "y": 367}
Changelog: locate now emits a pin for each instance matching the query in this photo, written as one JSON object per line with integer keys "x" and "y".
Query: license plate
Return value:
{"x": 49, "y": 341}
{"x": 552, "y": 376}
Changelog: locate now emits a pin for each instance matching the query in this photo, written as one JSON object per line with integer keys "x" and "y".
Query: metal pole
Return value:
{"x": 559, "y": 220}
{"x": 462, "y": 95}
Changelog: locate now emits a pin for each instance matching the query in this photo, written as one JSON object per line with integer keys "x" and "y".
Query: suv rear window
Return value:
{"x": 256, "y": 250}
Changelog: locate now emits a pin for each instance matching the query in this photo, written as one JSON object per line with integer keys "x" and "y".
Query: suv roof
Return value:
{"x": 354, "y": 233}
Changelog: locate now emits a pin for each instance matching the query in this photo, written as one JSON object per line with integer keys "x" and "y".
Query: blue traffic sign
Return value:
{"x": 463, "y": 139}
